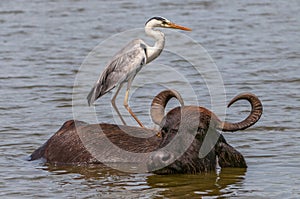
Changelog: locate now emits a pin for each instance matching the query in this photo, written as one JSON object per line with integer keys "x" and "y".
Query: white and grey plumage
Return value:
{"x": 128, "y": 62}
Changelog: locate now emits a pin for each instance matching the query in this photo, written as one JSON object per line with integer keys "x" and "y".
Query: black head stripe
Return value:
{"x": 157, "y": 18}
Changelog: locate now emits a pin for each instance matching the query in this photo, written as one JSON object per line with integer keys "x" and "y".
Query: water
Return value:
{"x": 254, "y": 44}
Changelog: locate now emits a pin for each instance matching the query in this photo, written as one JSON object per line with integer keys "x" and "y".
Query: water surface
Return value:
{"x": 254, "y": 45}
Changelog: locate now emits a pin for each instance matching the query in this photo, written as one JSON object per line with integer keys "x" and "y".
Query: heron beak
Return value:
{"x": 173, "y": 25}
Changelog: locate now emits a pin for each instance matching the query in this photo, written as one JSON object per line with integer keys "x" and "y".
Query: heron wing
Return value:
{"x": 124, "y": 65}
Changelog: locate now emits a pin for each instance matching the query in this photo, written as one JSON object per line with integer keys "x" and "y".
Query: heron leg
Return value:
{"x": 113, "y": 102}
{"x": 129, "y": 109}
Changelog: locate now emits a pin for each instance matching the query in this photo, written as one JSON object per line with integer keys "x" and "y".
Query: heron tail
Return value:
{"x": 91, "y": 96}
{"x": 96, "y": 92}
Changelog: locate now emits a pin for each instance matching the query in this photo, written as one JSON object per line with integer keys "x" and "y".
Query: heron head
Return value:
{"x": 164, "y": 23}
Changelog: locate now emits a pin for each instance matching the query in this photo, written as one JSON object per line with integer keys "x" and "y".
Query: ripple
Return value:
{"x": 13, "y": 12}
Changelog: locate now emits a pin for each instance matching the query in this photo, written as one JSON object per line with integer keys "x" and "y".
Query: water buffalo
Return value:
{"x": 175, "y": 148}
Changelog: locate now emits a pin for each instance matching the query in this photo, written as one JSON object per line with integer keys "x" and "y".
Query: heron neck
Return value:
{"x": 153, "y": 52}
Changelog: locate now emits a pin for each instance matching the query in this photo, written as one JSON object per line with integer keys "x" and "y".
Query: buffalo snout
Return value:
{"x": 160, "y": 159}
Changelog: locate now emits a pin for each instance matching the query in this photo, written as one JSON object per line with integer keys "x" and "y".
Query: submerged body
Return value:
{"x": 66, "y": 148}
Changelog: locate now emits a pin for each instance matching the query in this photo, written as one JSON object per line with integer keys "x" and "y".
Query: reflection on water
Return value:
{"x": 225, "y": 182}
{"x": 254, "y": 44}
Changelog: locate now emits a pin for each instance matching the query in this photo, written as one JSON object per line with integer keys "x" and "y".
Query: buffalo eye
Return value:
{"x": 164, "y": 131}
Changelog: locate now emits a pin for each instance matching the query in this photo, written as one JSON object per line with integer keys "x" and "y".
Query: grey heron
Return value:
{"x": 124, "y": 65}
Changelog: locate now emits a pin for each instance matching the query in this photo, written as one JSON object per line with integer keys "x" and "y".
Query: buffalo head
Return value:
{"x": 183, "y": 130}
